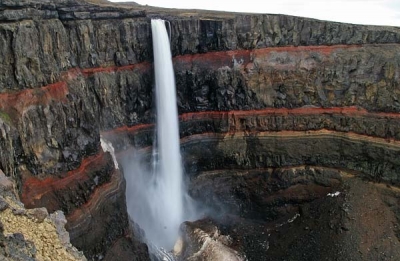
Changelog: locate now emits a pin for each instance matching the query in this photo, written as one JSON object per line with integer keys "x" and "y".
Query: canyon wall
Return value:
{"x": 254, "y": 91}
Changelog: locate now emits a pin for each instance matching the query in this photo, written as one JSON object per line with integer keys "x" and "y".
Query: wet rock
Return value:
{"x": 201, "y": 240}
{"x": 130, "y": 247}
{"x": 264, "y": 194}
{"x": 322, "y": 228}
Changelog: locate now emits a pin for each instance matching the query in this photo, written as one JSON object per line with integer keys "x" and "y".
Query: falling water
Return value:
{"x": 169, "y": 157}
{"x": 156, "y": 197}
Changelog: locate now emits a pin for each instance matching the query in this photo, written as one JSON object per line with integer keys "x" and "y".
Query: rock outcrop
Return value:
{"x": 31, "y": 234}
{"x": 254, "y": 92}
{"x": 203, "y": 241}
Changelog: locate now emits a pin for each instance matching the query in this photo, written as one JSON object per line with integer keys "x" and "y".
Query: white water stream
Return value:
{"x": 169, "y": 182}
{"x": 156, "y": 199}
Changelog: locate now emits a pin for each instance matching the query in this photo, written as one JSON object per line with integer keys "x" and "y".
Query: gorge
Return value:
{"x": 275, "y": 112}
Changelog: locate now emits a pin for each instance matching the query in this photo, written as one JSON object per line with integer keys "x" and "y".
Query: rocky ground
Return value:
{"x": 31, "y": 234}
{"x": 355, "y": 220}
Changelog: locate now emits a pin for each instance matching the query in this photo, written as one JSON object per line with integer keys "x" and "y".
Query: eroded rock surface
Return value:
{"x": 312, "y": 214}
{"x": 254, "y": 91}
{"x": 31, "y": 234}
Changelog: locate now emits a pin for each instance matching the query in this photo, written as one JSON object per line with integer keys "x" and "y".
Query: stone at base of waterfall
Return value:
{"x": 201, "y": 240}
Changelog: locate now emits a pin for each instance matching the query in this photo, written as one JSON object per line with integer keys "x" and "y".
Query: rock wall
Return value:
{"x": 73, "y": 70}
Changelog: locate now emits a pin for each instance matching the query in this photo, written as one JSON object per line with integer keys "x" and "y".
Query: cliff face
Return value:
{"x": 258, "y": 91}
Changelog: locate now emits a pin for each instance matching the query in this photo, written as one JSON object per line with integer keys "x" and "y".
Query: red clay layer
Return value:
{"x": 40, "y": 96}
{"x": 18, "y": 101}
{"x": 126, "y": 129}
{"x": 34, "y": 189}
{"x": 78, "y": 217}
{"x": 138, "y": 66}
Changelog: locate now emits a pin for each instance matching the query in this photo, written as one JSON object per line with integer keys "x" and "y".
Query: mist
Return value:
{"x": 146, "y": 201}
{"x": 157, "y": 197}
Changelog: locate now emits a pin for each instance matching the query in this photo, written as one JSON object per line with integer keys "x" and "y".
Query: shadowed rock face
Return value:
{"x": 268, "y": 92}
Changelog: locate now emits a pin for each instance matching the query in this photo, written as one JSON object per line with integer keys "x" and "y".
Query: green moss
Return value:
{"x": 5, "y": 117}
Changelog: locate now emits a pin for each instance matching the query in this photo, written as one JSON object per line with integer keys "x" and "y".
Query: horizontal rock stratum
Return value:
{"x": 254, "y": 92}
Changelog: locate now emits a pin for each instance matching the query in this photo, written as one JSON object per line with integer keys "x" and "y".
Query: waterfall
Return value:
{"x": 156, "y": 199}
{"x": 169, "y": 158}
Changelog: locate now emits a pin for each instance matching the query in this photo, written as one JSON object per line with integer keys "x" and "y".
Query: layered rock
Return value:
{"x": 254, "y": 91}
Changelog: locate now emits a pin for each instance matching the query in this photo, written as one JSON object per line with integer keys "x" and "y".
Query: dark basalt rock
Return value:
{"x": 329, "y": 228}
{"x": 376, "y": 163}
{"x": 15, "y": 247}
{"x": 73, "y": 70}
{"x": 265, "y": 195}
